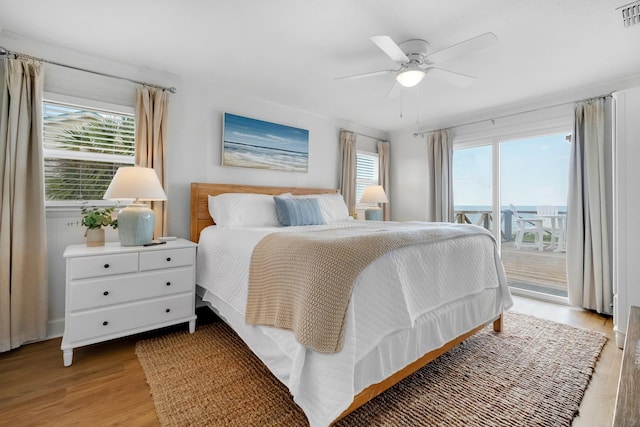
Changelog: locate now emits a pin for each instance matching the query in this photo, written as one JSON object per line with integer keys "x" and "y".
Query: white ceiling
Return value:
{"x": 290, "y": 51}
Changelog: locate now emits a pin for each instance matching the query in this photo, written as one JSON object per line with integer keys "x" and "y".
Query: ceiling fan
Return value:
{"x": 415, "y": 60}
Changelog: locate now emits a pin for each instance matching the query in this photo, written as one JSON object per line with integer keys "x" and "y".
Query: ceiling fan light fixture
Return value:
{"x": 410, "y": 76}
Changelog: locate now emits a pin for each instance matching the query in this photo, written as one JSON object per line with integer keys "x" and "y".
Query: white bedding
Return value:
{"x": 392, "y": 320}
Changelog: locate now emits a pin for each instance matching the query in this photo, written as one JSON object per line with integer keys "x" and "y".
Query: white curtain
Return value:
{"x": 383, "y": 176}
{"x": 588, "y": 268}
{"x": 23, "y": 245}
{"x": 439, "y": 177}
{"x": 348, "y": 150}
{"x": 151, "y": 134}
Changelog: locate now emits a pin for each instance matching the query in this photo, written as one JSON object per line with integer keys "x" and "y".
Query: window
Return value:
{"x": 83, "y": 148}
{"x": 366, "y": 173}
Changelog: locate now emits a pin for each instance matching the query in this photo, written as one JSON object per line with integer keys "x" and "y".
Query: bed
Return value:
{"x": 392, "y": 326}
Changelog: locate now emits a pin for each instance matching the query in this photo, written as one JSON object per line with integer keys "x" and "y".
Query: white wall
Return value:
{"x": 195, "y": 152}
{"x": 408, "y": 158}
{"x": 194, "y": 142}
{"x": 626, "y": 208}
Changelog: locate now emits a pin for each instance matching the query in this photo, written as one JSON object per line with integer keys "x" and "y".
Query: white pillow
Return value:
{"x": 243, "y": 210}
{"x": 332, "y": 206}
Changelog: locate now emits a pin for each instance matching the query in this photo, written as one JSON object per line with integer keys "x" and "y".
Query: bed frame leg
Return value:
{"x": 497, "y": 324}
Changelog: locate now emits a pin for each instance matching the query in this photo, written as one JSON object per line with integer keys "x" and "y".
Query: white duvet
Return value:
{"x": 408, "y": 302}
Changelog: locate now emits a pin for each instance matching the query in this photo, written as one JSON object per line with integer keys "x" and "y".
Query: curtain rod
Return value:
{"x": 368, "y": 136}
{"x": 6, "y": 52}
{"x": 422, "y": 133}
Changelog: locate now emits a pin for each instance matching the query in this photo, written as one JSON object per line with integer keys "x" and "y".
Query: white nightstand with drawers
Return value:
{"x": 113, "y": 291}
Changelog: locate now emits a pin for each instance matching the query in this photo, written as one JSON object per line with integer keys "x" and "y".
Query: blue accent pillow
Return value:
{"x": 292, "y": 211}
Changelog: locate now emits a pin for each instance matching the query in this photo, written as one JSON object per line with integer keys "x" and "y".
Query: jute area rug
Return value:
{"x": 534, "y": 373}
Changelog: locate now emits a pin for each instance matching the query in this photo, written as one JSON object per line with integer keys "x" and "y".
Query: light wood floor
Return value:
{"x": 106, "y": 386}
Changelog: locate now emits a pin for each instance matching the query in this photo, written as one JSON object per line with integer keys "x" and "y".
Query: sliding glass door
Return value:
{"x": 534, "y": 181}
{"x": 473, "y": 185}
{"x": 522, "y": 184}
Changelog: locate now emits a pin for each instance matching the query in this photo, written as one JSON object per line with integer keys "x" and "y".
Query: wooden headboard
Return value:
{"x": 201, "y": 191}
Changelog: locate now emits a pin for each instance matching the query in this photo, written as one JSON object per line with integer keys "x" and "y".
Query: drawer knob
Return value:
{"x": 168, "y": 283}
{"x": 105, "y": 293}
{"x": 105, "y": 323}
{"x": 167, "y": 310}
{"x": 168, "y": 258}
{"x": 106, "y": 266}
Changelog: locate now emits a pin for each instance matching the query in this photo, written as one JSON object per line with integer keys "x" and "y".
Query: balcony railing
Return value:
{"x": 485, "y": 219}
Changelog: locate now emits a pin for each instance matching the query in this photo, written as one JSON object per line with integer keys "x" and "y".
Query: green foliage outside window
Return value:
{"x": 97, "y": 137}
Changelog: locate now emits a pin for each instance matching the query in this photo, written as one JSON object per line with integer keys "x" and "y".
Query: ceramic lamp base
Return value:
{"x": 135, "y": 225}
{"x": 373, "y": 213}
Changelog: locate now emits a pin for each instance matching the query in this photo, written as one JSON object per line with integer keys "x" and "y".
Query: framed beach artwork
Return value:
{"x": 251, "y": 143}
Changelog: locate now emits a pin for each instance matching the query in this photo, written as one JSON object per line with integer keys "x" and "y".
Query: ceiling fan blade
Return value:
{"x": 468, "y": 46}
{"x": 390, "y": 47}
{"x": 456, "y": 79}
{"x": 360, "y": 76}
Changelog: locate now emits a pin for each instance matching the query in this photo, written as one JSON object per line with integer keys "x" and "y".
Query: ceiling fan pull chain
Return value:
{"x": 418, "y": 105}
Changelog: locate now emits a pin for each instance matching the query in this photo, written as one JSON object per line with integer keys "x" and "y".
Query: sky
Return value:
{"x": 534, "y": 172}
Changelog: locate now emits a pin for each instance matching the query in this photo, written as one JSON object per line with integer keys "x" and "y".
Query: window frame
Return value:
{"x": 49, "y": 153}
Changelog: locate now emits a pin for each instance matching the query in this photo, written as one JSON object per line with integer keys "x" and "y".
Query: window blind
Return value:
{"x": 83, "y": 149}
{"x": 366, "y": 172}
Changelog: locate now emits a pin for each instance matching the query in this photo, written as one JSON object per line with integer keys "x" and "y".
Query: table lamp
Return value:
{"x": 136, "y": 221}
{"x": 373, "y": 195}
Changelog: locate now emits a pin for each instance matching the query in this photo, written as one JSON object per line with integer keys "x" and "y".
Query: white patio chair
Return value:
{"x": 528, "y": 225}
{"x": 552, "y": 224}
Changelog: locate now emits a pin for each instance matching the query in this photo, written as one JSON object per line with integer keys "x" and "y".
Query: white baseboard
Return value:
{"x": 620, "y": 337}
{"x": 55, "y": 328}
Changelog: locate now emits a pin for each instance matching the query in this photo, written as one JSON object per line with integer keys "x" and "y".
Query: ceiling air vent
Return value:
{"x": 630, "y": 13}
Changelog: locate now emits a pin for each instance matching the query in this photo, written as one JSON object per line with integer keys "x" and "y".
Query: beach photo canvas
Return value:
{"x": 251, "y": 143}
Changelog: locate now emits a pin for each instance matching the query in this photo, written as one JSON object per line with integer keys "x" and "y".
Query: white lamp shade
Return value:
{"x": 135, "y": 182}
{"x": 410, "y": 76}
{"x": 135, "y": 222}
{"x": 374, "y": 194}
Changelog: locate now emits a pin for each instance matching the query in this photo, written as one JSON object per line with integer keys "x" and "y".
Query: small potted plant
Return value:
{"x": 94, "y": 219}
